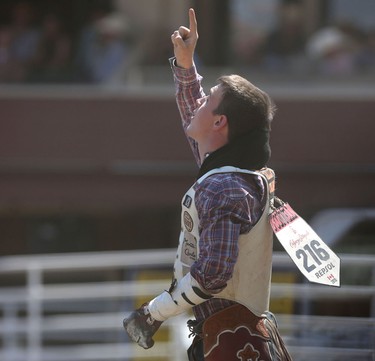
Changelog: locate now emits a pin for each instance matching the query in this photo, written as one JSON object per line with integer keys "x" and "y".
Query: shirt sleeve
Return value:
{"x": 188, "y": 89}
{"x": 224, "y": 215}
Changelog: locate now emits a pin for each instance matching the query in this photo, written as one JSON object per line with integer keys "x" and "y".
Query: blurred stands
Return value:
{"x": 105, "y": 41}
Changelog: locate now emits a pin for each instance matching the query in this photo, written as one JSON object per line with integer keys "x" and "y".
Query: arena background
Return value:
{"x": 94, "y": 160}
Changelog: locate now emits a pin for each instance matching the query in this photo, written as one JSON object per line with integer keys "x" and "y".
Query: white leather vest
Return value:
{"x": 251, "y": 280}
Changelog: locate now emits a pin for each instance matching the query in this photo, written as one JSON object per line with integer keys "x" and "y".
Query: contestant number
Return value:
{"x": 312, "y": 255}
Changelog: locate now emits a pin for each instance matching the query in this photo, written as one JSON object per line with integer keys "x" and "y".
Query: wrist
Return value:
{"x": 184, "y": 296}
{"x": 184, "y": 64}
{"x": 162, "y": 307}
{"x": 184, "y": 76}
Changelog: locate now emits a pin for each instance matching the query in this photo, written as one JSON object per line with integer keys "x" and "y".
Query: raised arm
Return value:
{"x": 187, "y": 81}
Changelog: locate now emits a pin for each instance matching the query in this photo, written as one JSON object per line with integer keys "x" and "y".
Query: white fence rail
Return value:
{"x": 69, "y": 307}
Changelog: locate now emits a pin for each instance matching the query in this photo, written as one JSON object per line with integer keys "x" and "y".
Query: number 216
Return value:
{"x": 317, "y": 253}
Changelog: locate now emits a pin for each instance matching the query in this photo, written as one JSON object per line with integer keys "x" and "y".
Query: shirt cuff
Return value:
{"x": 182, "y": 75}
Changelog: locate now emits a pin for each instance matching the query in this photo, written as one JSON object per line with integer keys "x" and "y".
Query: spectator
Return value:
{"x": 23, "y": 40}
{"x": 51, "y": 62}
{"x": 86, "y": 42}
{"x": 285, "y": 45}
{"x": 332, "y": 52}
{"x": 106, "y": 49}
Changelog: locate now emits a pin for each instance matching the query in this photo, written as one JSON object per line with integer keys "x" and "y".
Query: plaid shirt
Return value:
{"x": 228, "y": 204}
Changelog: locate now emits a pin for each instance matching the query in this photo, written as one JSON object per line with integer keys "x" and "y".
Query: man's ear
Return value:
{"x": 220, "y": 122}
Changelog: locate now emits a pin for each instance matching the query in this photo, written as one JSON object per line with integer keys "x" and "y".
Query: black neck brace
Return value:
{"x": 249, "y": 151}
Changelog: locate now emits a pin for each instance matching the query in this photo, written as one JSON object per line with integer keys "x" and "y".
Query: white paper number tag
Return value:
{"x": 317, "y": 262}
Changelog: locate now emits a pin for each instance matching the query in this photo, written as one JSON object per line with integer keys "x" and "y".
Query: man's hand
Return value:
{"x": 184, "y": 41}
{"x": 140, "y": 327}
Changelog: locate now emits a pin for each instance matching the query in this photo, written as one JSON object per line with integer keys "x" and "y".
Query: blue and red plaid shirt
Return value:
{"x": 228, "y": 204}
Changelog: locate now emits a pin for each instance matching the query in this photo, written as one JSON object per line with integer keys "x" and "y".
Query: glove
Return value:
{"x": 140, "y": 326}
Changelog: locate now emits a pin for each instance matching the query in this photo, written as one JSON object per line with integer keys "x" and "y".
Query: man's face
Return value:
{"x": 204, "y": 118}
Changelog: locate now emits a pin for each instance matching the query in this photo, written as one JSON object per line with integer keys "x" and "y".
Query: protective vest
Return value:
{"x": 251, "y": 280}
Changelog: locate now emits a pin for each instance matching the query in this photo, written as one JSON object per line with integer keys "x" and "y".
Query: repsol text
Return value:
{"x": 324, "y": 270}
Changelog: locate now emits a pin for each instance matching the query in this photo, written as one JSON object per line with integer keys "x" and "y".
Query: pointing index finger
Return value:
{"x": 192, "y": 21}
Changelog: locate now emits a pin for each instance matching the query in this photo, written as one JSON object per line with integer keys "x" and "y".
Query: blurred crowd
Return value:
{"x": 42, "y": 50}
{"x": 336, "y": 49}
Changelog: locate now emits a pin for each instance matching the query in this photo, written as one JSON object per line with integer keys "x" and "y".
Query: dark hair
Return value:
{"x": 246, "y": 106}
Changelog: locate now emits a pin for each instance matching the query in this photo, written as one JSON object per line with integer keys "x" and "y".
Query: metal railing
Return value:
{"x": 69, "y": 307}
